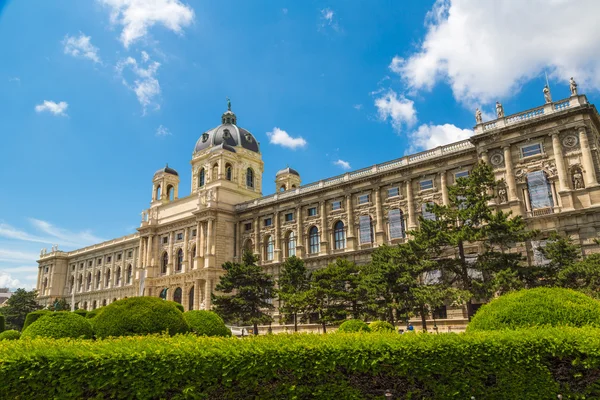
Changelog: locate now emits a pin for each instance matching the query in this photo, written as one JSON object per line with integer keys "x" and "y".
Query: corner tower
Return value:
{"x": 165, "y": 185}
{"x": 287, "y": 179}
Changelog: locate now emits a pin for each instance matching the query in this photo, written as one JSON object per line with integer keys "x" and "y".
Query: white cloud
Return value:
{"x": 81, "y": 47}
{"x": 327, "y": 19}
{"x": 145, "y": 84}
{"x": 54, "y": 108}
{"x": 398, "y": 109}
{"x": 284, "y": 10}
{"x": 357, "y": 106}
{"x": 343, "y": 164}
{"x": 17, "y": 256}
{"x": 162, "y": 131}
{"x": 15, "y": 79}
{"x": 7, "y": 281}
{"x": 327, "y": 15}
{"x": 52, "y": 234}
{"x": 486, "y": 50}
{"x": 430, "y": 136}
{"x": 138, "y": 16}
{"x": 282, "y": 138}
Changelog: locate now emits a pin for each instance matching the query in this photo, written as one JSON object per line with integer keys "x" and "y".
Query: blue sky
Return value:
{"x": 97, "y": 95}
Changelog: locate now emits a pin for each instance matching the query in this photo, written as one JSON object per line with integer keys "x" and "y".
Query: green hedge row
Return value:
{"x": 2, "y": 323}
{"x": 526, "y": 364}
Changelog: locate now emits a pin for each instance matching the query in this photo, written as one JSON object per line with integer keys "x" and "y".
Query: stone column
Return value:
{"x": 171, "y": 264}
{"x": 197, "y": 294}
{"x": 300, "y": 233}
{"x": 324, "y": 248}
{"x": 560, "y": 162}
{"x": 113, "y": 270}
{"x": 412, "y": 222}
{"x": 444, "y": 183}
{"x": 587, "y": 159}
{"x": 278, "y": 251}
{"x": 554, "y": 196}
{"x": 149, "y": 250}
{"x": 350, "y": 234}
{"x": 186, "y": 256}
{"x": 240, "y": 243}
{"x": 257, "y": 236}
{"x": 379, "y": 231}
{"x": 199, "y": 240}
{"x": 209, "y": 233}
{"x": 207, "y": 293}
{"x": 510, "y": 175}
{"x": 527, "y": 201}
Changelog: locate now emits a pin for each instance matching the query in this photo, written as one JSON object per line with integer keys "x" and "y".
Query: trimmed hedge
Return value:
{"x": 381, "y": 326}
{"x": 537, "y": 307}
{"x": 206, "y": 323}
{"x": 10, "y": 334}
{"x": 34, "y": 316}
{"x": 2, "y": 323}
{"x": 354, "y": 325}
{"x": 60, "y": 324}
{"x": 176, "y": 304}
{"x": 531, "y": 364}
{"x": 92, "y": 313}
{"x": 139, "y": 316}
{"x": 81, "y": 311}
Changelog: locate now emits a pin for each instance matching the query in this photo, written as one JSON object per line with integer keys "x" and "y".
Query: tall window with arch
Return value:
{"x": 269, "y": 248}
{"x": 72, "y": 284}
{"x": 88, "y": 281}
{"x": 118, "y": 277}
{"x": 158, "y": 192}
{"x": 215, "y": 173}
{"x": 339, "y": 235}
{"x": 164, "y": 263}
{"x": 107, "y": 278}
{"x": 170, "y": 192}
{"x": 201, "y": 177}
{"x": 250, "y": 178}
{"x": 540, "y": 190}
{"x": 365, "y": 227}
{"x": 291, "y": 244}
{"x": 314, "y": 244}
{"x": 396, "y": 223}
{"x": 179, "y": 260}
{"x": 80, "y": 283}
{"x": 98, "y": 279}
{"x": 129, "y": 274}
{"x": 228, "y": 172}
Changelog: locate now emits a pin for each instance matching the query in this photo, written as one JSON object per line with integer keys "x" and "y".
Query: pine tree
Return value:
{"x": 252, "y": 290}
{"x": 294, "y": 283}
{"x": 562, "y": 254}
{"x": 16, "y": 308}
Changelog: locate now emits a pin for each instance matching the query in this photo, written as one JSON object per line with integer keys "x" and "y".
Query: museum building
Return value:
{"x": 545, "y": 158}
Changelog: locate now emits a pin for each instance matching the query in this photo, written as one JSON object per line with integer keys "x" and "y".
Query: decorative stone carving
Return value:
{"x": 499, "y": 110}
{"x": 478, "y": 117}
{"x": 573, "y": 87}
{"x": 497, "y": 159}
{"x": 578, "y": 179}
{"x": 550, "y": 168}
{"x": 502, "y": 193}
{"x": 570, "y": 141}
{"x": 521, "y": 175}
{"x": 547, "y": 94}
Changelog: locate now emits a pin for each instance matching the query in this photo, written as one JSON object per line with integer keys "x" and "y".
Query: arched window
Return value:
{"x": 177, "y": 295}
{"x": 228, "y": 172}
{"x": 269, "y": 248}
{"x": 313, "y": 240}
{"x": 282, "y": 188}
{"x": 396, "y": 222}
{"x": 191, "y": 299}
{"x": 104, "y": 303}
{"x": 165, "y": 262}
{"x": 540, "y": 191}
{"x": 94, "y": 305}
{"x": 179, "y": 260}
{"x": 339, "y": 235}
{"x": 291, "y": 244}
{"x": 72, "y": 284}
{"x": 250, "y": 178}
{"x": 118, "y": 277}
{"x": 293, "y": 186}
{"x": 98, "y": 279}
{"x": 365, "y": 228}
{"x": 171, "y": 192}
{"x": 88, "y": 282}
{"x": 193, "y": 251}
{"x": 201, "y": 177}
{"x": 215, "y": 172}
{"x": 163, "y": 293}
{"x": 107, "y": 278}
{"x": 129, "y": 274}
{"x": 80, "y": 283}
{"x": 85, "y": 305}
{"x": 45, "y": 284}
{"x": 426, "y": 213}
{"x": 158, "y": 191}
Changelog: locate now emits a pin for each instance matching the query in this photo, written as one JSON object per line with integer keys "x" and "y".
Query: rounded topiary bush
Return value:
{"x": 176, "y": 304}
{"x": 34, "y": 316}
{"x": 381, "y": 326}
{"x": 537, "y": 307}
{"x": 139, "y": 316}
{"x": 11, "y": 334}
{"x": 60, "y": 324}
{"x": 206, "y": 323}
{"x": 81, "y": 311}
{"x": 354, "y": 325}
{"x": 92, "y": 313}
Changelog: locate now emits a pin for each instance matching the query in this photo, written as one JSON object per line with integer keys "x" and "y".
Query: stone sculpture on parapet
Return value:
{"x": 499, "y": 110}
{"x": 573, "y": 87}
{"x": 478, "y": 117}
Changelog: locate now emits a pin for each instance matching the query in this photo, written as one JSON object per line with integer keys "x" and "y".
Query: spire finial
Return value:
{"x": 228, "y": 104}
{"x": 167, "y": 166}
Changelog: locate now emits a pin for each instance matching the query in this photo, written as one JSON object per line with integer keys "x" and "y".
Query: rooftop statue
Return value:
{"x": 547, "y": 95}
{"x": 573, "y": 87}
{"x": 499, "y": 110}
{"x": 478, "y": 117}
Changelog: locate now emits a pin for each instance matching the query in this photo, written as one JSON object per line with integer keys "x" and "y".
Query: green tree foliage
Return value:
{"x": 21, "y": 303}
{"x": 335, "y": 293}
{"x": 139, "y": 316}
{"x": 2, "y": 323}
{"x": 81, "y": 311}
{"x": 354, "y": 325}
{"x": 562, "y": 254}
{"x": 294, "y": 284}
{"x": 59, "y": 324}
{"x": 206, "y": 323}
{"x": 469, "y": 222}
{"x": 10, "y": 334}
{"x": 583, "y": 276}
{"x": 381, "y": 326}
{"x": 248, "y": 291}
{"x": 537, "y": 307}
{"x": 60, "y": 305}
{"x": 34, "y": 316}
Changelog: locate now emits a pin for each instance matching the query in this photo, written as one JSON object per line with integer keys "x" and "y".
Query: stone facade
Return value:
{"x": 546, "y": 158}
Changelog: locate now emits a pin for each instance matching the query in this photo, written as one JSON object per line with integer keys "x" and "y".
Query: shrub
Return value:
{"x": 176, "y": 304}
{"x": 34, "y": 316}
{"x": 92, "y": 313}
{"x": 139, "y": 316}
{"x": 2, "y": 323}
{"x": 59, "y": 324}
{"x": 531, "y": 364}
{"x": 10, "y": 334}
{"x": 206, "y": 323}
{"x": 354, "y": 325}
{"x": 81, "y": 311}
{"x": 537, "y": 307}
{"x": 381, "y": 326}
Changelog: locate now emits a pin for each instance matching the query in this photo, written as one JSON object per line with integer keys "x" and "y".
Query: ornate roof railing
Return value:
{"x": 99, "y": 246}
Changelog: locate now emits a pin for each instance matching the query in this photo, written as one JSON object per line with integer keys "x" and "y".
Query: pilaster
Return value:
{"x": 586, "y": 158}
{"x": 379, "y": 231}
{"x": 510, "y": 177}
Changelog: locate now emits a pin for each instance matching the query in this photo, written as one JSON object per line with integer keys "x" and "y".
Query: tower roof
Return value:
{"x": 287, "y": 170}
{"x": 167, "y": 170}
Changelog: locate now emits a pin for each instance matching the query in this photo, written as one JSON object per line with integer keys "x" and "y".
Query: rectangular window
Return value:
{"x": 393, "y": 192}
{"x": 268, "y": 221}
{"x": 194, "y": 233}
{"x": 81, "y": 265}
{"x": 538, "y": 256}
{"x": 531, "y": 150}
{"x": 108, "y": 259}
{"x": 396, "y": 221}
{"x": 248, "y": 226}
{"x": 89, "y": 263}
{"x": 540, "y": 192}
{"x": 99, "y": 261}
{"x": 366, "y": 229}
{"x": 336, "y": 205}
{"x": 312, "y": 211}
{"x": 180, "y": 236}
{"x": 119, "y": 257}
{"x": 130, "y": 254}
{"x": 461, "y": 174}
{"x": 433, "y": 277}
{"x": 429, "y": 215}
{"x": 166, "y": 240}
{"x": 363, "y": 199}
{"x": 289, "y": 217}
{"x": 428, "y": 184}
